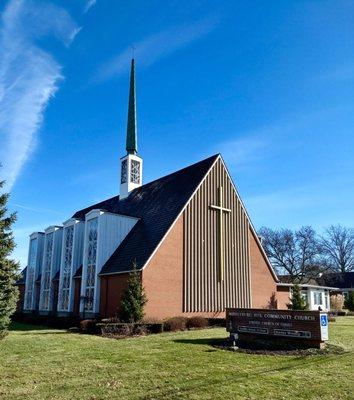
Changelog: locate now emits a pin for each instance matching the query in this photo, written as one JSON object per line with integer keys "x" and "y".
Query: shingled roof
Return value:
{"x": 157, "y": 205}
{"x": 344, "y": 280}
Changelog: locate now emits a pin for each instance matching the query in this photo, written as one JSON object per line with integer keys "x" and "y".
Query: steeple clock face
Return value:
{"x": 124, "y": 172}
{"x": 135, "y": 172}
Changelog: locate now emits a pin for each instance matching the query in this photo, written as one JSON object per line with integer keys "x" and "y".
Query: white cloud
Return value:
{"x": 240, "y": 152}
{"x": 256, "y": 145}
{"x": 89, "y": 4}
{"x": 29, "y": 76}
{"x": 35, "y": 209}
{"x": 156, "y": 46}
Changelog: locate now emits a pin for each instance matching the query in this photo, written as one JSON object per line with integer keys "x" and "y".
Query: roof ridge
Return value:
{"x": 151, "y": 182}
{"x": 180, "y": 170}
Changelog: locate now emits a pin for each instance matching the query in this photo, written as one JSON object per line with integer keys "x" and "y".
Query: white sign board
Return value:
{"x": 324, "y": 326}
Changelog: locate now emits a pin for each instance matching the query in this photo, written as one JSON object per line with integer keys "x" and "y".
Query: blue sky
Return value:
{"x": 267, "y": 84}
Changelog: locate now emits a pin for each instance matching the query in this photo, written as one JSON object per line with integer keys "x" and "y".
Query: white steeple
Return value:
{"x": 131, "y": 165}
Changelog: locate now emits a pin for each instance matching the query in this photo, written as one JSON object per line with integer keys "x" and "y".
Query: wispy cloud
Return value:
{"x": 242, "y": 151}
{"x": 89, "y": 4}
{"x": 316, "y": 203}
{"x": 255, "y": 145}
{"x": 156, "y": 46}
{"x": 35, "y": 209}
{"x": 29, "y": 76}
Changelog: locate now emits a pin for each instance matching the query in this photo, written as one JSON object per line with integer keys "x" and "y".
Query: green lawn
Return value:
{"x": 52, "y": 364}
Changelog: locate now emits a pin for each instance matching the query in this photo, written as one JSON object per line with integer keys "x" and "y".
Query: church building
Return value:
{"x": 187, "y": 233}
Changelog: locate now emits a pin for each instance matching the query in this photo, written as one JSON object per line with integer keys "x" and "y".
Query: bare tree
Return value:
{"x": 296, "y": 253}
{"x": 338, "y": 248}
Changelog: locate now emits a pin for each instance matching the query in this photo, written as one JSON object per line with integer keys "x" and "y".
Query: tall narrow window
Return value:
{"x": 124, "y": 172}
{"x": 135, "y": 172}
{"x": 66, "y": 271}
{"x": 31, "y": 274}
{"x": 46, "y": 278}
{"x": 91, "y": 263}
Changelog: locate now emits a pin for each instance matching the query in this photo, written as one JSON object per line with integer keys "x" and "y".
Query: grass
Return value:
{"x": 39, "y": 363}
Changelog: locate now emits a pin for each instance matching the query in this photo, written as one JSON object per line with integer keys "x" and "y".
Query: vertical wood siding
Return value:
{"x": 202, "y": 289}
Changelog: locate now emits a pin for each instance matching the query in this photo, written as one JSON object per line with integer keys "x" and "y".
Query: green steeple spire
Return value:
{"x": 132, "y": 135}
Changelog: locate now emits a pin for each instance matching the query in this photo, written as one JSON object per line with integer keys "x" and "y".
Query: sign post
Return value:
{"x": 304, "y": 327}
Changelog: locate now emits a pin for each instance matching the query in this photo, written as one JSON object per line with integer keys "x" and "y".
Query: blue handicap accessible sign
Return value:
{"x": 323, "y": 320}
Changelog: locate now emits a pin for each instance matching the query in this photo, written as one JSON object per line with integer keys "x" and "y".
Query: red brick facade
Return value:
{"x": 263, "y": 284}
{"x": 163, "y": 280}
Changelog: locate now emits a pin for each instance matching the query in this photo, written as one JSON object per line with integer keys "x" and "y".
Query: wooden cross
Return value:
{"x": 221, "y": 210}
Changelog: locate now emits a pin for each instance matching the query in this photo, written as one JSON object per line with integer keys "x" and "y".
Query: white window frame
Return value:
{"x": 92, "y": 215}
{"x": 31, "y": 274}
{"x": 66, "y": 269}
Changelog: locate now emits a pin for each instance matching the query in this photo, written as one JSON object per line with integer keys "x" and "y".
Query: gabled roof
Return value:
{"x": 343, "y": 280}
{"x": 299, "y": 280}
{"x": 157, "y": 205}
{"x": 334, "y": 280}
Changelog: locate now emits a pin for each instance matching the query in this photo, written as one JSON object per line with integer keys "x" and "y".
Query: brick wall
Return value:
{"x": 163, "y": 276}
{"x": 263, "y": 283}
{"x": 112, "y": 288}
{"x": 283, "y": 294}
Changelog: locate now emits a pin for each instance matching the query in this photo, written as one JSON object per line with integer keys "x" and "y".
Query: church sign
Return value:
{"x": 248, "y": 323}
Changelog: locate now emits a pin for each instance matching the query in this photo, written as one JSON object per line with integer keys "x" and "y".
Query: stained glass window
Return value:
{"x": 124, "y": 172}
{"x": 135, "y": 172}
{"x": 66, "y": 270}
{"x": 29, "y": 293}
{"x": 91, "y": 263}
{"x": 46, "y": 278}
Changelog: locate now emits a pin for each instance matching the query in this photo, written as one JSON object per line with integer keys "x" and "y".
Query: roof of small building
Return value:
{"x": 22, "y": 278}
{"x": 338, "y": 280}
{"x": 157, "y": 205}
{"x": 342, "y": 280}
{"x": 304, "y": 280}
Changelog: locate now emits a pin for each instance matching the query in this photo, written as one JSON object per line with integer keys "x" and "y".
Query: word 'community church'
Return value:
{"x": 188, "y": 234}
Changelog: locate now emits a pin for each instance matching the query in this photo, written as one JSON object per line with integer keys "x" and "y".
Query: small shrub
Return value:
{"x": 140, "y": 330}
{"x": 197, "y": 322}
{"x": 297, "y": 301}
{"x": 337, "y": 302}
{"x": 155, "y": 328}
{"x": 217, "y": 322}
{"x": 273, "y": 302}
{"x": 126, "y": 329}
{"x": 88, "y": 326}
{"x": 134, "y": 298}
{"x": 175, "y": 324}
{"x": 341, "y": 313}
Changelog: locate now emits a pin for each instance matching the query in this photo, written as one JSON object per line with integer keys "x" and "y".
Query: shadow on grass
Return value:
{"x": 239, "y": 377}
{"x": 22, "y": 327}
{"x": 205, "y": 341}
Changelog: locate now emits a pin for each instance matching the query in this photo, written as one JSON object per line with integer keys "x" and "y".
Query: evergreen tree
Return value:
{"x": 297, "y": 301}
{"x": 133, "y": 299}
{"x": 8, "y": 267}
{"x": 349, "y": 301}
